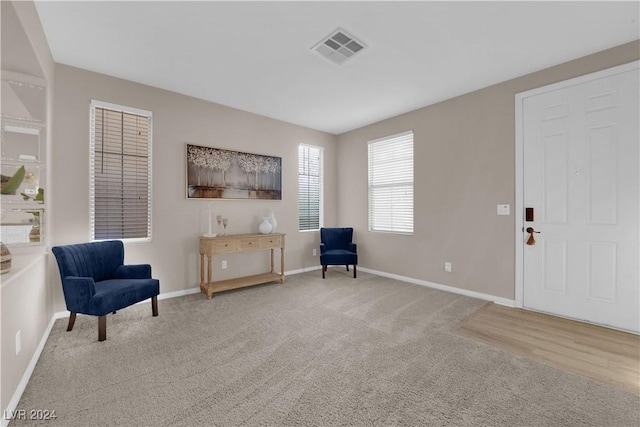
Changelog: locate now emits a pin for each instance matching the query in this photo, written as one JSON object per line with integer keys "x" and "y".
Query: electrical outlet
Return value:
{"x": 315, "y": 252}
{"x": 18, "y": 343}
{"x": 447, "y": 267}
{"x": 224, "y": 263}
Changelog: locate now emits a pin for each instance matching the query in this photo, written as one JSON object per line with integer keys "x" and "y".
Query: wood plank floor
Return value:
{"x": 601, "y": 354}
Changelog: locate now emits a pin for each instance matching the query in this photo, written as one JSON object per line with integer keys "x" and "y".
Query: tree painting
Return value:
{"x": 225, "y": 174}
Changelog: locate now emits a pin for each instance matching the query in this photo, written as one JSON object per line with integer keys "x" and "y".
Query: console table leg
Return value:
{"x": 209, "y": 268}
{"x": 282, "y": 264}
{"x": 271, "y": 260}
{"x": 201, "y": 271}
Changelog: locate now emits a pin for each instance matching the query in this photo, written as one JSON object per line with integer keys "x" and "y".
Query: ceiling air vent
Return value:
{"x": 339, "y": 46}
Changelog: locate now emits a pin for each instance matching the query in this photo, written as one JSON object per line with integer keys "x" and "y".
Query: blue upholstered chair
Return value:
{"x": 95, "y": 281}
{"x": 337, "y": 248}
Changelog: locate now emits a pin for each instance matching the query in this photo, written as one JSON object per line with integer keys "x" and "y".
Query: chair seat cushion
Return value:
{"x": 112, "y": 295}
{"x": 338, "y": 257}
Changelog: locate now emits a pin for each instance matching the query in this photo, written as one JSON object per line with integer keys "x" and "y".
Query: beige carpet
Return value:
{"x": 369, "y": 351}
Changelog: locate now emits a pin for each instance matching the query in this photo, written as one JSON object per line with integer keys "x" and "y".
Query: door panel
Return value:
{"x": 580, "y": 172}
{"x": 602, "y": 183}
{"x": 555, "y": 266}
{"x": 555, "y": 165}
{"x": 601, "y": 273}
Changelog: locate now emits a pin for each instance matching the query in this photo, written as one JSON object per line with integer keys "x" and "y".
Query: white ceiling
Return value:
{"x": 257, "y": 57}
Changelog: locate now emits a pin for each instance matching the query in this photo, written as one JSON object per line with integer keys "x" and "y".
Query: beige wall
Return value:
{"x": 25, "y": 298}
{"x": 464, "y": 167}
{"x": 178, "y": 222}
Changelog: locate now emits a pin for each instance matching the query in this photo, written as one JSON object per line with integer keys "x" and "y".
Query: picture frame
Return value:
{"x": 216, "y": 173}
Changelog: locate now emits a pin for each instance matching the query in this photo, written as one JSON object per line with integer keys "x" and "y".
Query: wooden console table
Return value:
{"x": 210, "y": 246}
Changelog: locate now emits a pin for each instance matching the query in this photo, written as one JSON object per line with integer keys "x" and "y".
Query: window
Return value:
{"x": 309, "y": 187}
{"x": 391, "y": 184}
{"x": 120, "y": 186}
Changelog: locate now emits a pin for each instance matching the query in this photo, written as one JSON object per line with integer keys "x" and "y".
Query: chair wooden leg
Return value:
{"x": 324, "y": 268}
{"x": 102, "y": 328}
{"x": 154, "y": 306}
{"x": 347, "y": 267}
{"x": 72, "y": 321}
{"x": 354, "y": 271}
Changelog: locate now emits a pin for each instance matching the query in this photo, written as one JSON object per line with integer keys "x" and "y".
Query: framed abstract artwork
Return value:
{"x": 214, "y": 173}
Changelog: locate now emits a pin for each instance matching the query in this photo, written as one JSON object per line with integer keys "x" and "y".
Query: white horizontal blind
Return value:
{"x": 391, "y": 184}
{"x": 309, "y": 187}
{"x": 120, "y": 173}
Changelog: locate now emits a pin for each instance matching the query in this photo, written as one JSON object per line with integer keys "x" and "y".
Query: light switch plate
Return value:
{"x": 504, "y": 210}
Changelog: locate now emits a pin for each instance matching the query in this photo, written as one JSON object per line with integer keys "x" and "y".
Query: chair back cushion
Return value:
{"x": 98, "y": 260}
{"x": 336, "y": 238}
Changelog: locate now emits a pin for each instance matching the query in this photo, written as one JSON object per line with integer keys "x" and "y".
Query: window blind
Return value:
{"x": 391, "y": 184}
{"x": 120, "y": 173}
{"x": 309, "y": 187}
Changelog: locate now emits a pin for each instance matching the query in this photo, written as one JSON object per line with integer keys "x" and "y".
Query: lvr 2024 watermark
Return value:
{"x": 30, "y": 414}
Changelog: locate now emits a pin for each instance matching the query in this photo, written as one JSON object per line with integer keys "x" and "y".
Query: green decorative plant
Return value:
{"x": 11, "y": 184}
{"x": 38, "y": 198}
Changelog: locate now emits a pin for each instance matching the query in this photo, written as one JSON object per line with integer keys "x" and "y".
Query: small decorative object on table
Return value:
{"x": 210, "y": 233}
{"x": 265, "y": 227}
{"x": 5, "y": 259}
{"x": 219, "y": 219}
{"x": 273, "y": 222}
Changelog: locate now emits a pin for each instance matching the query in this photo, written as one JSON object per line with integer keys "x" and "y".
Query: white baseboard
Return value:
{"x": 302, "y": 270}
{"x": 60, "y": 315}
{"x": 15, "y": 399}
{"x": 498, "y": 300}
{"x": 175, "y": 294}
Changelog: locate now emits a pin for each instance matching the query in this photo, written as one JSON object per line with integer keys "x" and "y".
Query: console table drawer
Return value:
{"x": 270, "y": 242}
{"x": 225, "y": 246}
{"x": 248, "y": 243}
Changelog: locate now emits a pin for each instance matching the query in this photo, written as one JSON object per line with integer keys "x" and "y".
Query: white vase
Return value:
{"x": 265, "y": 227}
{"x": 273, "y": 222}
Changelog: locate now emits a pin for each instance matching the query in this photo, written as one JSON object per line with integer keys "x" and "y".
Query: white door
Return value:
{"x": 580, "y": 176}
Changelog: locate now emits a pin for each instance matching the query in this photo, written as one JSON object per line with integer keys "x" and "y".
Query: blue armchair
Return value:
{"x": 95, "y": 281}
{"x": 337, "y": 248}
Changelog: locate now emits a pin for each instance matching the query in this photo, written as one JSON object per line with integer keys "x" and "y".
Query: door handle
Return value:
{"x": 531, "y": 241}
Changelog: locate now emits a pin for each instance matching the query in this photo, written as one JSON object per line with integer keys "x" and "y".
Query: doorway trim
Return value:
{"x": 519, "y": 160}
